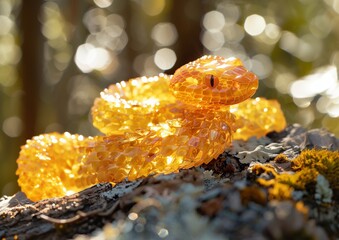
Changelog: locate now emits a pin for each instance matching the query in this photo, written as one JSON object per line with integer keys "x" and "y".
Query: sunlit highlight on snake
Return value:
{"x": 152, "y": 125}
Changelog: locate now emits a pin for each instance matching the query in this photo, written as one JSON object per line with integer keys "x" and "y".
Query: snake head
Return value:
{"x": 213, "y": 81}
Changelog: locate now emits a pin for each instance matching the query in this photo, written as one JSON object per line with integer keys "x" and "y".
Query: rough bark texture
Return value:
{"x": 220, "y": 200}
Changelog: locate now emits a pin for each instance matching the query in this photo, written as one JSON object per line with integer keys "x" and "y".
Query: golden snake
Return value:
{"x": 152, "y": 125}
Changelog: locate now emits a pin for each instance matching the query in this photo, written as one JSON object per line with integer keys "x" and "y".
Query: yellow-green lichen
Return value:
{"x": 306, "y": 168}
{"x": 322, "y": 162}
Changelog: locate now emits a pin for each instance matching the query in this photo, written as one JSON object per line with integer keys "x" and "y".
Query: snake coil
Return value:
{"x": 152, "y": 125}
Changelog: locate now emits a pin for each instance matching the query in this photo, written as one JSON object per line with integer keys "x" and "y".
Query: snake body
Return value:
{"x": 152, "y": 125}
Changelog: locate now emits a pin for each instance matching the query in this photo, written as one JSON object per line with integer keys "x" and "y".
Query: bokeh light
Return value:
{"x": 213, "y": 40}
{"x": 310, "y": 85}
{"x": 273, "y": 32}
{"x": 153, "y": 7}
{"x": 262, "y": 65}
{"x": 9, "y": 52}
{"x": 12, "y": 126}
{"x": 89, "y": 58}
{"x": 254, "y": 25}
{"x": 306, "y": 48}
{"x": 6, "y": 25}
{"x": 164, "y": 34}
{"x": 165, "y": 58}
{"x": 334, "y": 4}
{"x": 214, "y": 21}
{"x": 103, "y": 3}
{"x": 306, "y": 89}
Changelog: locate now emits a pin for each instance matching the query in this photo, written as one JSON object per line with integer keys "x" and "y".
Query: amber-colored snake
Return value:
{"x": 152, "y": 125}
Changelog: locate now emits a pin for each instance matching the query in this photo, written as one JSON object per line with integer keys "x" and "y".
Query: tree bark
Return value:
{"x": 215, "y": 201}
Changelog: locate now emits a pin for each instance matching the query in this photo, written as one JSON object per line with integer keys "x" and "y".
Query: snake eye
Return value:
{"x": 211, "y": 80}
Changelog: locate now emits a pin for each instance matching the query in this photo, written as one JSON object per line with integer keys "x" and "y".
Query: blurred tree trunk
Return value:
{"x": 73, "y": 11}
{"x": 31, "y": 65}
{"x": 186, "y": 16}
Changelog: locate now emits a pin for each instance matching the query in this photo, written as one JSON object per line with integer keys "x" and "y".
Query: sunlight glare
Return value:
{"x": 322, "y": 80}
{"x": 254, "y": 25}
{"x": 89, "y": 58}
{"x": 165, "y": 58}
